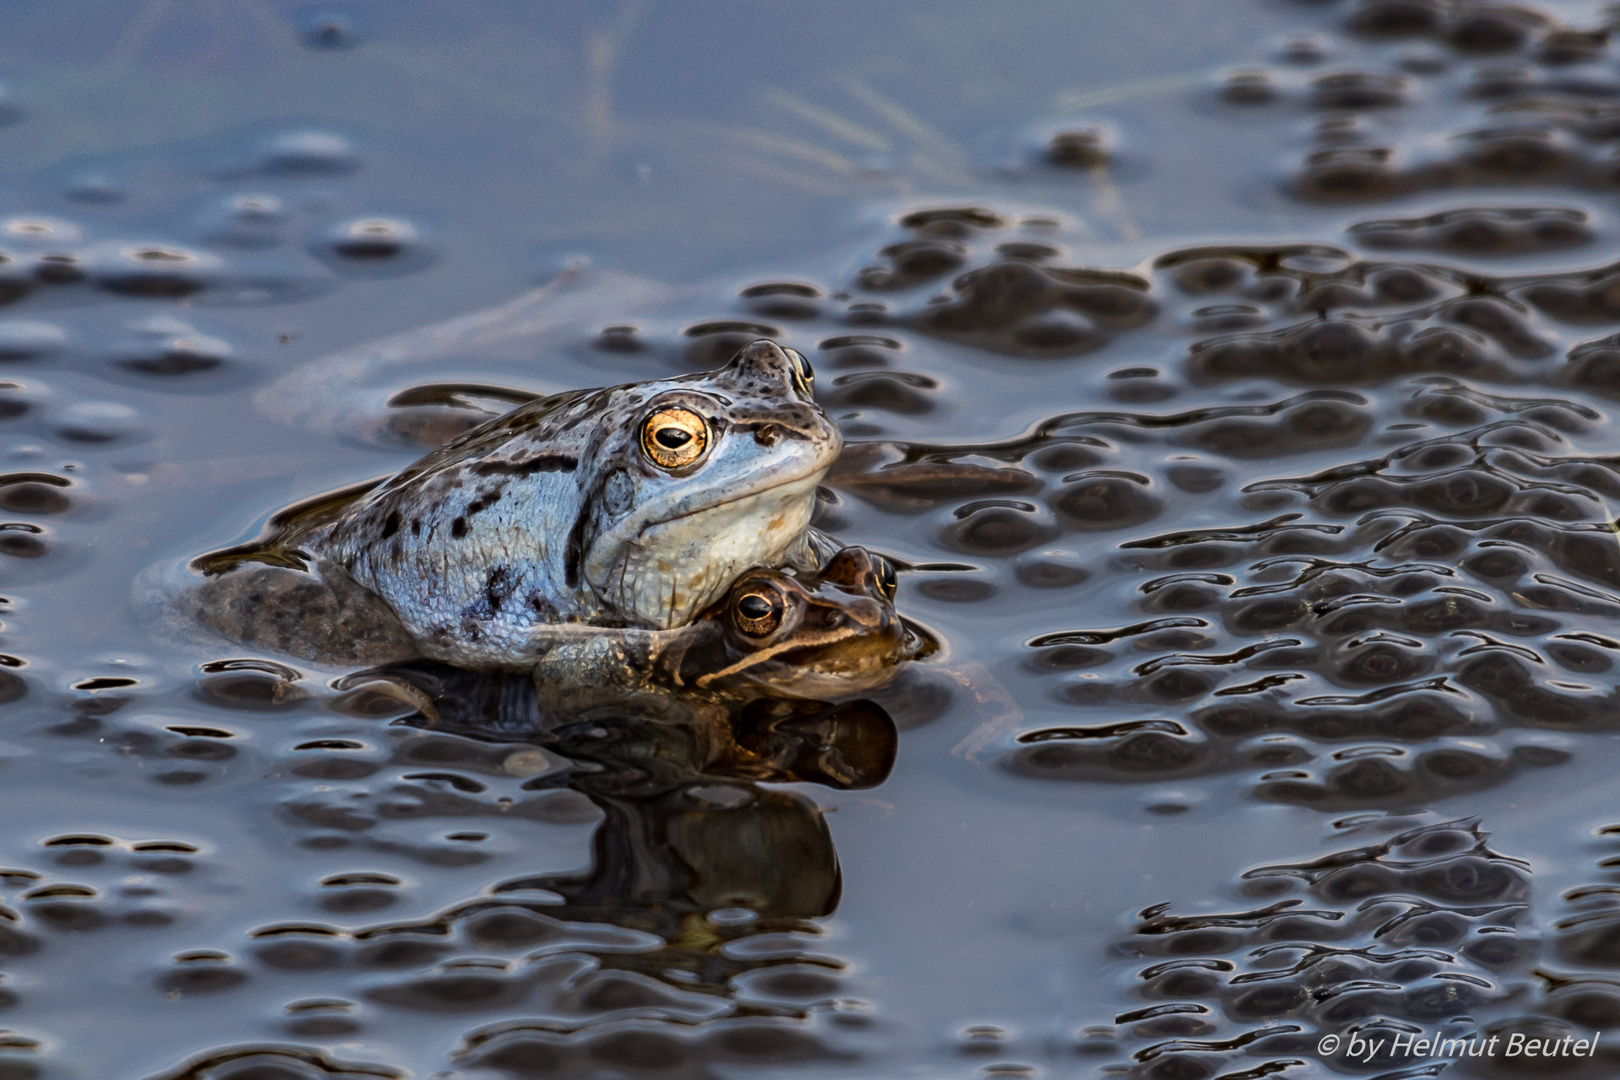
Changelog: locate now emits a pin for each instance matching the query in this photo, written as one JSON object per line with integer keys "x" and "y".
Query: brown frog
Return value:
{"x": 811, "y": 636}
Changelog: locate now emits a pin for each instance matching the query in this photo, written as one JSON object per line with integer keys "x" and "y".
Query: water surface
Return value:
{"x": 1235, "y": 378}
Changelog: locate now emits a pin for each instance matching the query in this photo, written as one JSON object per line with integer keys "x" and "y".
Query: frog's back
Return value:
{"x": 452, "y": 543}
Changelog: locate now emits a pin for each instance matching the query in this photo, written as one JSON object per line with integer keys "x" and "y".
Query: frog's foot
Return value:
{"x": 998, "y": 712}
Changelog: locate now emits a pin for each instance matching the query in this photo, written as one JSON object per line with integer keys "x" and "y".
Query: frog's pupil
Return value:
{"x": 672, "y": 438}
{"x": 754, "y": 606}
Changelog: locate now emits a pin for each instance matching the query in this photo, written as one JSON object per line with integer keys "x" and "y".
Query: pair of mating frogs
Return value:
{"x": 652, "y": 532}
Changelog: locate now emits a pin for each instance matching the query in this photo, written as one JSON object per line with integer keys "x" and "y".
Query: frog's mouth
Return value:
{"x": 756, "y": 493}
{"x": 827, "y": 668}
{"x": 788, "y": 487}
{"x": 847, "y": 657}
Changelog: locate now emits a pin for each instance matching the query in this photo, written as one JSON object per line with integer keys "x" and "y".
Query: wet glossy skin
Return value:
{"x": 831, "y": 635}
{"x": 569, "y": 511}
{"x": 825, "y": 635}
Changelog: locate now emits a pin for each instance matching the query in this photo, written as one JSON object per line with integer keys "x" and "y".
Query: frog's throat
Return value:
{"x": 681, "y": 563}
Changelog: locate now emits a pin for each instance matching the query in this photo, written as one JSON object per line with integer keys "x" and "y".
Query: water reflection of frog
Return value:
{"x": 687, "y": 828}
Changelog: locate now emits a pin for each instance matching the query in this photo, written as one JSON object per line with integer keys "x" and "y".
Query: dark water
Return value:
{"x": 1235, "y": 377}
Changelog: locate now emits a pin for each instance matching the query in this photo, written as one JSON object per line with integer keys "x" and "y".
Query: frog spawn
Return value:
{"x": 1482, "y": 473}
{"x": 1419, "y": 645}
{"x": 1287, "y": 599}
{"x": 1538, "y": 92}
{"x": 243, "y": 246}
{"x": 1577, "y": 993}
{"x": 598, "y": 995}
{"x": 1424, "y": 933}
{"x": 92, "y": 884}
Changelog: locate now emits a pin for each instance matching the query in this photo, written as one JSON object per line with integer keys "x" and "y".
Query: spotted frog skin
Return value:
{"x": 634, "y": 506}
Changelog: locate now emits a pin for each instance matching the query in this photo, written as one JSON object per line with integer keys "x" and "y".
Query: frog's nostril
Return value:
{"x": 767, "y": 434}
{"x": 870, "y": 615}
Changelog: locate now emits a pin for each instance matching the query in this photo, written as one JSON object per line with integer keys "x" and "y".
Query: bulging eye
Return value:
{"x": 758, "y": 612}
{"x": 886, "y": 579}
{"x": 804, "y": 376}
{"x": 674, "y": 438}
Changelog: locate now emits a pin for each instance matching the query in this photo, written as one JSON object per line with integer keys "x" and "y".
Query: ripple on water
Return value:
{"x": 328, "y": 28}
{"x": 256, "y": 1061}
{"x": 1090, "y": 147}
{"x": 155, "y": 269}
{"x": 245, "y": 220}
{"x": 251, "y": 685}
{"x": 97, "y": 423}
{"x": 35, "y": 493}
{"x": 790, "y": 300}
{"x": 306, "y": 154}
{"x": 29, "y": 339}
{"x": 373, "y": 246}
